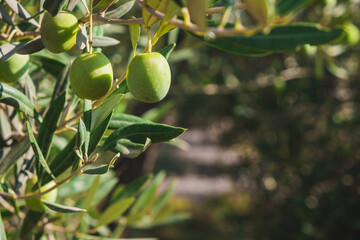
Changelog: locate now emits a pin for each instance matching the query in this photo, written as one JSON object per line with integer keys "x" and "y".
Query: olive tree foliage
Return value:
{"x": 57, "y": 149}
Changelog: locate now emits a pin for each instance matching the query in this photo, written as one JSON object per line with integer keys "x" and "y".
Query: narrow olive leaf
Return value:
{"x": 147, "y": 198}
{"x": 87, "y": 116}
{"x": 21, "y": 11}
{"x": 104, "y": 110}
{"x": 90, "y": 193}
{"x": 134, "y": 30}
{"x": 61, "y": 208}
{"x": 120, "y": 120}
{"x": 38, "y": 154}
{"x": 13, "y": 97}
{"x": 197, "y": 10}
{"x": 121, "y": 89}
{"x": 80, "y": 136}
{"x": 54, "y": 6}
{"x": 30, "y": 222}
{"x": 32, "y": 47}
{"x": 67, "y": 156}
{"x": 49, "y": 124}
{"x": 288, "y": 6}
{"x": 2, "y": 230}
{"x": 131, "y": 189}
{"x": 72, "y": 4}
{"x": 121, "y": 10}
{"x": 13, "y": 155}
{"x": 162, "y": 200}
{"x": 24, "y": 169}
{"x": 115, "y": 211}
{"x": 61, "y": 83}
{"x": 171, "y": 219}
{"x": 5, "y": 16}
{"x": 166, "y": 51}
{"x": 99, "y": 41}
{"x": 81, "y": 38}
{"x": 139, "y": 132}
{"x": 102, "y": 169}
{"x": 9, "y": 49}
{"x": 128, "y": 149}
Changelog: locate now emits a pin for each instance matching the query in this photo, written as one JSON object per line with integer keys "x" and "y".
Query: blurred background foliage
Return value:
{"x": 271, "y": 147}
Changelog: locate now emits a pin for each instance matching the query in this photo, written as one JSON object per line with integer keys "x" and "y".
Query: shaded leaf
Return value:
{"x": 30, "y": 222}
{"x": 162, "y": 200}
{"x": 102, "y": 169}
{"x": 131, "y": 189}
{"x": 13, "y": 155}
{"x": 114, "y": 211}
{"x": 90, "y": 193}
{"x": 9, "y": 49}
{"x": 139, "y": 132}
{"x": 38, "y": 154}
{"x": 104, "y": 110}
{"x": 99, "y": 41}
{"x": 134, "y": 30}
{"x": 2, "y": 230}
{"x": 166, "y": 51}
{"x": 120, "y": 120}
{"x": 121, "y": 10}
{"x": 287, "y": 6}
{"x": 32, "y": 47}
{"x": 21, "y": 11}
{"x": 81, "y": 38}
{"x": 72, "y": 4}
{"x": 49, "y": 124}
{"x": 129, "y": 149}
{"x": 61, "y": 208}
{"x": 5, "y": 16}
{"x": 13, "y": 97}
{"x": 61, "y": 83}
{"x": 54, "y": 6}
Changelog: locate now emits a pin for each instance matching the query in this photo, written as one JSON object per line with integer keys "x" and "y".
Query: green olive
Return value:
{"x": 35, "y": 204}
{"x": 352, "y": 33}
{"x": 91, "y": 75}
{"x": 59, "y": 33}
{"x": 148, "y": 77}
{"x": 14, "y": 68}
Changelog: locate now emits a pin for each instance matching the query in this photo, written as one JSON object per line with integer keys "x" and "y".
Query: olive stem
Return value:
{"x": 149, "y": 45}
{"x": 90, "y": 26}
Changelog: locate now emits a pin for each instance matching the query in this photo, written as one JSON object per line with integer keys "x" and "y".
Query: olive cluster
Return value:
{"x": 91, "y": 74}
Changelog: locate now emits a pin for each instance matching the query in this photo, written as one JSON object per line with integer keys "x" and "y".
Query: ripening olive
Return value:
{"x": 148, "y": 77}
{"x": 35, "y": 204}
{"x": 59, "y": 33}
{"x": 14, "y": 68}
{"x": 91, "y": 75}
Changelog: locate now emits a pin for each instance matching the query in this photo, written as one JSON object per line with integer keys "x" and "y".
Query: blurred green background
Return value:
{"x": 271, "y": 150}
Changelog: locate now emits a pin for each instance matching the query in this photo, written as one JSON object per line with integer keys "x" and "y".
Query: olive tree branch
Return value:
{"x": 58, "y": 184}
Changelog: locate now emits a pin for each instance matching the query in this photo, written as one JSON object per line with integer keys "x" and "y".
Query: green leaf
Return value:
{"x": 102, "y": 169}
{"x": 104, "y": 110}
{"x": 139, "y": 132}
{"x": 90, "y": 193}
{"x": 2, "y": 230}
{"x": 147, "y": 198}
{"x": 81, "y": 38}
{"x": 38, "y": 154}
{"x": 134, "y": 30}
{"x": 54, "y": 6}
{"x": 61, "y": 83}
{"x": 121, "y": 10}
{"x": 166, "y": 51}
{"x": 87, "y": 116}
{"x": 114, "y": 211}
{"x": 129, "y": 149}
{"x": 120, "y": 120}
{"x": 21, "y": 11}
{"x": 30, "y": 222}
{"x": 15, "y": 153}
{"x": 80, "y": 138}
{"x": 49, "y": 124}
{"x": 287, "y": 6}
{"x": 173, "y": 218}
{"x": 5, "y": 16}
{"x": 31, "y": 47}
{"x": 162, "y": 200}
{"x": 281, "y": 38}
{"x": 13, "y": 97}
{"x": 131, "y": 189}
{"x": 61, "y": 208}
{"x": 67, "y": 156}
{"x": 99, "y": 41}
{"x": 9, "y": 49}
